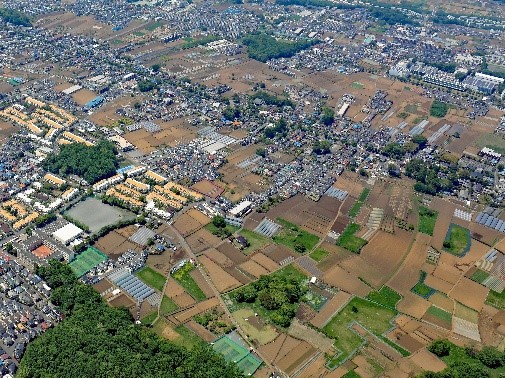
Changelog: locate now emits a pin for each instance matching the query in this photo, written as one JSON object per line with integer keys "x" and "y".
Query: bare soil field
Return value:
{"x": 219, "y": 258}
{"x": 485, "y": 234}
{"x": 122, "y": 301}
{"x": 438, "y": 284}
{"x": 202, "y": 240}
{"x": 445, "y": 213}
{"x": 342, "y": 279}
{"x": 200, "y": 307}
{"x": 337, "y": 255}
{"x": 221, "y": 279}
{"x": 232, "y": 253}
{"x": 428, "y": 361}
{"x": 190, "y": 222}
{"x": 201, "y": 282}
{"x": 379, "y": 254}
{"x": 279, "y": 253}
{"x": 413, "y": 305}
{"x": 253, "y": 268}
{"x": 83, "y": 96}
{"x": 442, "y": 301}
{"x": 201, "y": 331}
{"x": 470, "y": 293}
{"x": 208, "y": 189}
{"x": 349, "y": 182}
{"x": 447, "y": 272}
{"x": 177, "y": 293}
{"x": 313, "y": 216}
{"x": 265, "y": 262}
{"x": 114, "y": 245}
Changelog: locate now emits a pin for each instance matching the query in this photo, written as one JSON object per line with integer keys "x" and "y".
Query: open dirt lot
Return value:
{"x": 202, "y": 240}
{"x": 470, "y": 293}
{"x": 190, "y": 222}
{"x": 114, "y": 245}
{"x": 95, "y": 214}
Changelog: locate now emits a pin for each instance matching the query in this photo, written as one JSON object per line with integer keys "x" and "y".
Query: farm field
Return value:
{"x": 183, "y": 277}
{"x": 360, "y": 201}
{"x": 370, "y": 315}
{"x": 349, "y": 241}
{"x": 295, "y": 238}
{"x": 151, "y": 278}
{"x": 458, "y": 240}
{"x": 385, "y": 296}
{"x": 255, "y": 240}
{"x": 319, "y": 254}
{"x": 427, "y": 220}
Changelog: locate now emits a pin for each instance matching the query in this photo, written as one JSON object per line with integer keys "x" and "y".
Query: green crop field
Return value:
{"x": 167, "y": 306}
{"x": 370, "y": 315}
{"x": 440, "y": 314}
{"x": 292, "y": 236}
{"x": 458, "y": 240}
{"x": 357, "y": 205}
{"x": 385, "y": 296}
{"x": 183, "y": 277}
{"x": 421, "y": 288}
{"x": 319, "y": 254}
{"x": 255, "y": 240}
{"x": 427, "y": 220}
{"x": 151, "y": 278}
{"x": 479, "y": 276}
{"x": 350, "y": 242}
{"x": 496, "y": 299}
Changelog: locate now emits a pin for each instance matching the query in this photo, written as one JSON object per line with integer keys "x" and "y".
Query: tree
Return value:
{"x": 321, "y": 147}
{"x": 328, "y": 116}
{"x": 420, "y": 140}
{"x": 300, "y": 248}
{"x": 156, "y": 67}
{"x": 440, "y": 348}
{"x": 261, "y": 152}
{"x": 219, "y": 221}
{"x": 146, "y": 85}
{"x": 491, "y": 357}
{"x": 394, "y": 150}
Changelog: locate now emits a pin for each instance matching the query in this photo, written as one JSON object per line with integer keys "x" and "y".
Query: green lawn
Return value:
{"x": 427, "y": 220}
{"x": 440, "y": 314}
{"x": 370, "y": 315}
{"x": 458, "y": 240}
{"x": 319, "y": 254}
{"x": 167, "y": 306}
{"x": 255, "y": 240}
{"x": 357, "y": 205}
{"x": 350, "y": 242}
{"x": 496, "y": 299}
{"x": 479, "y": 276}
{"x": 385, "y": 296}
{"x": 183, "y": 277}
{"x": 291, "y": 236}
{"x": 151, "y": 278}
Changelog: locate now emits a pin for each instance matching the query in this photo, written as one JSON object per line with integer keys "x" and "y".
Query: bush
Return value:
{"x": 490, "y": 357}
{"x": 440, "y": 348}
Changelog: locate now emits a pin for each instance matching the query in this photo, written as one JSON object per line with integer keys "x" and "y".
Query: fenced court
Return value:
{"x": 232, "y": 351}
{"x": 87, "y": 260}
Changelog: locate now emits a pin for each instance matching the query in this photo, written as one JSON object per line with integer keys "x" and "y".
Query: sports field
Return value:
{"x": 232, "y": 351}
{"x": 87, "y": 260}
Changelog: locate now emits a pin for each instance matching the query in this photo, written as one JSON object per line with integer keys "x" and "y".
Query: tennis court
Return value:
{"x": 232, "y": 351}
{"x": 87, "y": 260}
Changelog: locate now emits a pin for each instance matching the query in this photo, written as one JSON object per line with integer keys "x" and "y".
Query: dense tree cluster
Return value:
{"x": 321, "y": 147}
{"x": 439, "y": 109}
{"x": 14, "y": 17}
{"x": 95, "y": 340}
{"x": 146, "y": 85}
{"x": 280, "y": 128}
{"x": 472, "y": 363}
{"x": 264, "y": 47}
{"x": 431, "y": 179}
{"x": 231, "y": 113}
{"x": 392, "y": 16}
{"x": 317, "y": 3}
{"x": 44, "y": 219}
{"x": 269, "y": 99}
{"x": 92, "y": 163}
{"x": 275, "y": 293}
{"x": 327, "y": 116}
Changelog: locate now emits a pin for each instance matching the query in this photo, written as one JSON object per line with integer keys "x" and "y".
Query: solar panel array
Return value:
{"x": 336, "y": 193}
{"x": 131, "y": 284}
{"x": 490, "y": 221}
